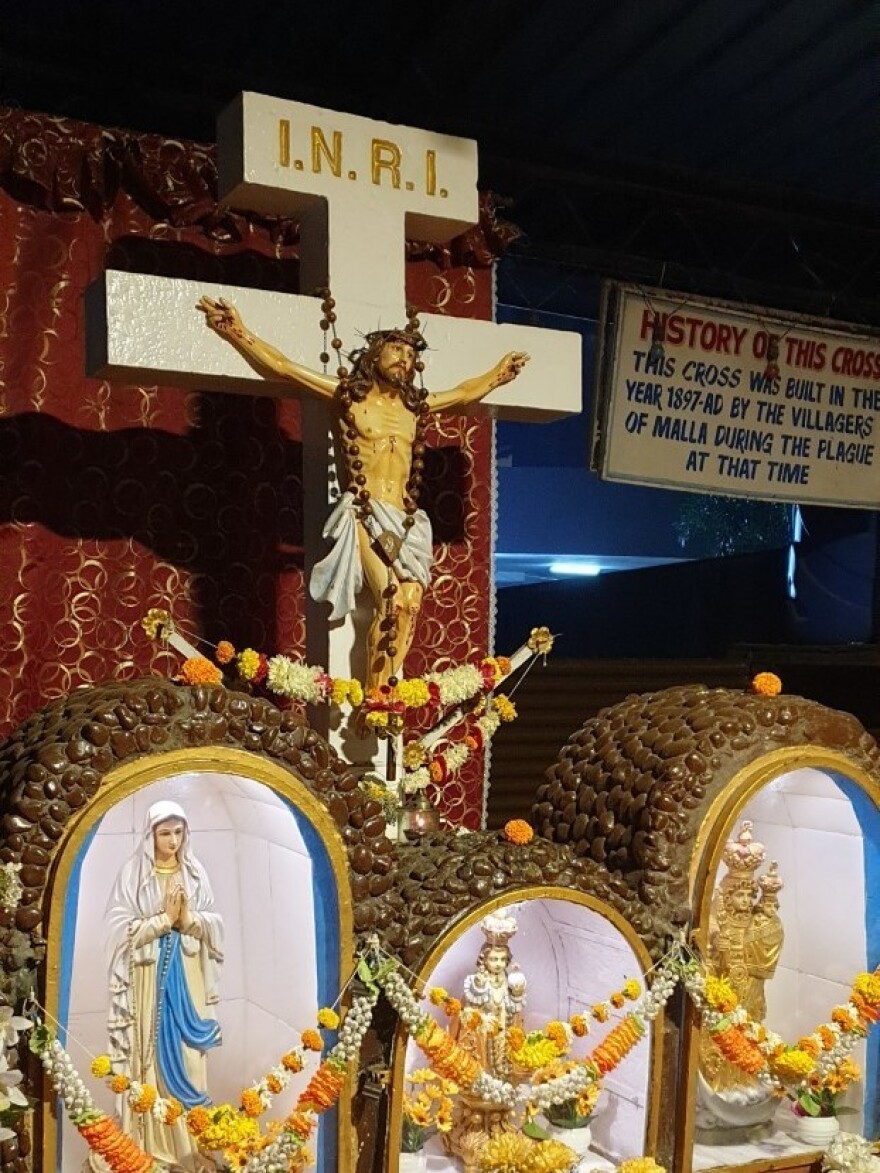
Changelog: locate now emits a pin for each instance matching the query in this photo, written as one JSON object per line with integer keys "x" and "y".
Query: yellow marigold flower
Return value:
{"x": 721, "y": 995}
{"x": 452, "y": 1007}
{"x": 793, "y": 1065}
{"x": 101, "y": 1066}
{"x": 248, "y": 663}
{"x": 377, "y": 719}
{"x": 504, "y": 707}
{"x": 600, "y": 1012}
{"x": 413, "y": 755}
{"x": 292, "y": 1061}
{"x": 312, "y": 1041}
{"x": 197, "y": 1120}
{"x": 198, "y": 670}
{"x": 327, "y": 1018}
{"x": 356, "y": 693}
{"x": 339, "y": 691}
{"x": 145, "y": 1101}
{"x": 414, "y": 693}
{"x": 535, "y": 1052}
{"x": 518, "y": 831}
{"x": 225, "y": 652}
{"x": 640, "y": 1165}
{"x": 507, "y": 1152}
{"x": 868, "y": 986}
{"x": 551, "y": 1156}
{"x": 437, "y": 995}
{"x": 251, "y": 1104}
{"x": 579, "y": 1025}
{"x": 766, "y": 684}
{"x": 631, "y": 989}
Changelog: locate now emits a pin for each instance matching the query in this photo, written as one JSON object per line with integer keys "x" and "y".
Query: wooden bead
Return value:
{"x": 336, "y": 344}
{"x": 324, "y": 324}
{"x": 324, "y": 357}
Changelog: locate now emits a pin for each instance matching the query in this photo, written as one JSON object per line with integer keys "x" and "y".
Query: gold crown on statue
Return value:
{"x": 771, "y": 882}
{"x": 744, "y": 853}
{"x": 498, "y": 928}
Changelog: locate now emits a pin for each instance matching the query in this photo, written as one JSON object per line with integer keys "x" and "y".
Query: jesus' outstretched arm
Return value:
{"x": 226, "y": 321}
{"x": 473, "y": 390}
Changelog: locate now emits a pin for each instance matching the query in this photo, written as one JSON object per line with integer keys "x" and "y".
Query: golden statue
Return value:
{"x": 378, "y": 533}
{"x": 492, "y": 1001}
{"x": 744, "y": 944}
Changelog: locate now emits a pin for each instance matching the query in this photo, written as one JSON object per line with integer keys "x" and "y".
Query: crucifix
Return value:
{"x": 358, "y": 188}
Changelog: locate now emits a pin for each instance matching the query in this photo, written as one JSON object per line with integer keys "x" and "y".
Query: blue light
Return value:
{"x": 585, "y": 569}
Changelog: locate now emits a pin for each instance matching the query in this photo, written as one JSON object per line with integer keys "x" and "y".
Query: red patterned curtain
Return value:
{"x": 116, "y": 499}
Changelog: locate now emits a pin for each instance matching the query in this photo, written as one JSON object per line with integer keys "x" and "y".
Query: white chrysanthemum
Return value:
{"x": 293, "y": 679}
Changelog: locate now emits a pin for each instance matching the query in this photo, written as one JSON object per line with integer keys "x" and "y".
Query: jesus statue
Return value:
{"x": 377, "y": 531}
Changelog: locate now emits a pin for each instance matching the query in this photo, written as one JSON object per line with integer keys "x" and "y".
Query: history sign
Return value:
{"x": 714, "y": 397}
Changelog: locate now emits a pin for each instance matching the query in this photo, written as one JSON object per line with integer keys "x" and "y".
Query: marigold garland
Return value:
{"x": 121, "y": 1153}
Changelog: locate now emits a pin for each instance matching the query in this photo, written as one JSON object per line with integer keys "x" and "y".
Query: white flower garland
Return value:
{"x": 297, "y": 681}
{"x": 455, "y": 756}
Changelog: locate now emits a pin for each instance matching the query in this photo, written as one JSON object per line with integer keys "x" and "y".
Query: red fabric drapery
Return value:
{"x": 116, "y": 499}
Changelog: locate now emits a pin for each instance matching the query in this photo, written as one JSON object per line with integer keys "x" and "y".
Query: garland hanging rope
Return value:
{"x": 236, "y": 1131}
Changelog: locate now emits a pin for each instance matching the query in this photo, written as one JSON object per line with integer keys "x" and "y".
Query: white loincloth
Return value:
{"x": 338, "y": 578}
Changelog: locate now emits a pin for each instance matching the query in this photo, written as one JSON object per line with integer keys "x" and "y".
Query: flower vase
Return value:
{"x": 413, "y": 1162}
{"x": 818, "y": 1131}
{"x": 577, "y": 1138}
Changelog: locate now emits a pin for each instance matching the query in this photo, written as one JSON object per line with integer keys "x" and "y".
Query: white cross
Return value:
{"x": 358, "y": 188}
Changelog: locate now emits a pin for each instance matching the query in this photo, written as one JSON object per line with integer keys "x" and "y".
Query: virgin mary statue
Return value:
{"x": 166, "y": 948}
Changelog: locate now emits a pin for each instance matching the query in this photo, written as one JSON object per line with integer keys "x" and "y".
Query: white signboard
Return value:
{"x": 717, "y": 413}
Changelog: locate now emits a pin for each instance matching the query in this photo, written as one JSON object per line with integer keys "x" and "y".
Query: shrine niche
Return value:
{"x": 540, "y": 955}
{"x": 731, "y": 806}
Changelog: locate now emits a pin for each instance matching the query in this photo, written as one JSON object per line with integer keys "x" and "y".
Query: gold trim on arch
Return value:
{"x": 713, "y": 833}
{"x": 456, "y": 929}
{"x": 126, "y": 780}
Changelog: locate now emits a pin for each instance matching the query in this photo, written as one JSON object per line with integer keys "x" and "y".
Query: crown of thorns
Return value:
{"x": 411, "y": 337}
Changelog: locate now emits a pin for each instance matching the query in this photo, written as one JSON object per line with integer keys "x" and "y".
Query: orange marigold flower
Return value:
{"x": 504, "y": 664}
{"x": 600, "y": 1012}
{"x": 197, "y": 1120}
{"x": 518, "y": 831}
{"x": 452, "y": 1007}
{"x": 766, "y": 684}
{"x": 251, "y": 1104}
{"x": 301, "y": 1123}
{"x": 173, "y": 1110}
{"x": 556, "y": 1033}
{"x": 809, "y": 1045}
{"x": 274, "y": 1084}
{"x": 292, "y": 1061}
{"x": 225, "y": 653}
{"x": 828, "y": 1037}
{"x": 436, "y": 771}
{"x": 516, "y": 1036}
{"x": 579, "y": 1025}
{"x": 312, "y": 1041}
{"x": 617, "y": 1000}
{"x": 198, "y": 670}
{"x": 120, "y": 1084}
